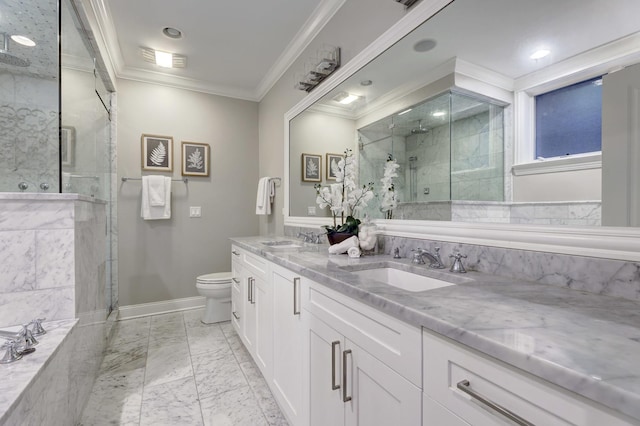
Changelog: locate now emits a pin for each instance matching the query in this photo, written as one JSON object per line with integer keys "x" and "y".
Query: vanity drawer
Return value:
{"x": 449, "y": 366}
{"x": 394, "y": 342}
{"x": 256, "y": 265}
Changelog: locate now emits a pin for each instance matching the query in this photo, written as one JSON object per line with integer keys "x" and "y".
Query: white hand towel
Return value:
{"x": 156, "y": 189}
{"x": 344, "y": 246}
{"x": 354, "y": 252}
{"x": 147, "y": 210}
{"x": 263, "y": 197}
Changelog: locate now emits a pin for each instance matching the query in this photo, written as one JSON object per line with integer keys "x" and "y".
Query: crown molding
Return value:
{"x": 314, "y": 24}
{"x": 168, "y": 80}
{"x": 595, "y": 62}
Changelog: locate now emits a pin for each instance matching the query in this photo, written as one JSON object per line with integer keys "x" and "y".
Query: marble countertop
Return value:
{"x": 586, "y": 343}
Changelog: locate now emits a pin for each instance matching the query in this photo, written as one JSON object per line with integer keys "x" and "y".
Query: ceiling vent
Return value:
{"x": 177, "y": 61}
{"x": 407, "y": 3}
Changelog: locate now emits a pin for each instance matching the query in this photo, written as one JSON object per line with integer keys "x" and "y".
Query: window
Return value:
{"x": 569, "y": 120}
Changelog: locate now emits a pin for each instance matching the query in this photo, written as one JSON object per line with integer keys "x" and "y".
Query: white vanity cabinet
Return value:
{"x": 287, "y": 382}
{"x": 251, "y": 306}
{"x": 363, "y": 367}
{"x": 467, "y": 387}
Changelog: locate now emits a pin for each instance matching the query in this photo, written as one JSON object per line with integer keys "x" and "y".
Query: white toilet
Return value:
{"x": 216, "y": 288}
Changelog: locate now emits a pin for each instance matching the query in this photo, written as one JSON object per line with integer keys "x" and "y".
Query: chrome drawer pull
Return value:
{"x": 345, "y": 398}
{"x": 253, "y": 291}
{"x": 334, "y": 386}
{"x": 235, "y": 252}
{"x": 235, "y": 315}
{"x": 464, "y": 386}
{"x": 296, "y": 283}
{"x": 249, "y": 289}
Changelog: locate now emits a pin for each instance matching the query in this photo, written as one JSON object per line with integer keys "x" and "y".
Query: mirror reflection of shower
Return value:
{"x": 7, "y": 57}
{"x": 450, "y": 147}
{"x": 413, "y": 178}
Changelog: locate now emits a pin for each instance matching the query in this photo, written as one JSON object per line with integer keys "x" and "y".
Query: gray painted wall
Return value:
{"x": 160, "y": 260}
{"x": 356, "y": 25}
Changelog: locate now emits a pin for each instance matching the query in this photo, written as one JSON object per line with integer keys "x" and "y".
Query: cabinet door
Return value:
{"x": 379, "y": 395}
{"x": 264, "y": 326}
{"x": 325, "y": 347}
{"x": 288, "y": 324}
{"x": 249, "y": 320}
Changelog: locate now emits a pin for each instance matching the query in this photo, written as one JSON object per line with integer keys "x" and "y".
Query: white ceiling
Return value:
{"x": 233, "y": 48}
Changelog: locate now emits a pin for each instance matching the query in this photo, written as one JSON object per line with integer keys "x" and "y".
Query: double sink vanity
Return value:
{"x": 379, "y": 341}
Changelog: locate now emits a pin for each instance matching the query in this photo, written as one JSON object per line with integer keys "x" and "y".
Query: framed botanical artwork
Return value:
{"x": 195, "y": 159}
{"x": 311, "y": 168}
{"x": 157, "y": 153}
{"x": 67, "y": 145}
{"x": 332, "y": 165}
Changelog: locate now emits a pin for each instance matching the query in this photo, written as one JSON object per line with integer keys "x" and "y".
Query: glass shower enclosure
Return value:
{"x": 55, "y": 130}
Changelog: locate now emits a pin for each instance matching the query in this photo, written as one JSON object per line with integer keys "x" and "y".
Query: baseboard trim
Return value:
{"x": 164, "y": 307}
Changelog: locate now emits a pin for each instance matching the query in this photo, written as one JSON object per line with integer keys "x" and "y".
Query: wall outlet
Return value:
{"x": 311, "y": 211}
{"x": 426, "y": 191}
{"x": 195, "y": 211}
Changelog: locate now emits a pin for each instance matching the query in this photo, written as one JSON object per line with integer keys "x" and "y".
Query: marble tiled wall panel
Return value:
{"x": 36, "y": 258}
{"x": 52, "y": 257}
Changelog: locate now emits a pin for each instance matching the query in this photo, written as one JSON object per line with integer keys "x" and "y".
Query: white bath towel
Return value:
{"x": 264, "y": 197}
{"x": 149, "y": 211}
{"x": 156, "y": 189}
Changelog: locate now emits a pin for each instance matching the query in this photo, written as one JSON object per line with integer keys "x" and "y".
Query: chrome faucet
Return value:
{"x": 434, "y": 259}
{"x": 24, "y": 339}
{"x": 310, "y": 237}
{"x": 457, "y": 263}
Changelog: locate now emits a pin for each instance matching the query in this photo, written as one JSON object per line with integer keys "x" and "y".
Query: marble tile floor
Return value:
{"x": 173, "y": 370}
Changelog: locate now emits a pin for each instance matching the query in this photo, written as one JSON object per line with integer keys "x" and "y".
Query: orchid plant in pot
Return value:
{"x": 388, "y": 196}
{"x": 344, "y": 198}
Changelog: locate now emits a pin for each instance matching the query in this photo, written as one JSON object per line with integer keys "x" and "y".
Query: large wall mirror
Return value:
{"x": 471, "y": 117}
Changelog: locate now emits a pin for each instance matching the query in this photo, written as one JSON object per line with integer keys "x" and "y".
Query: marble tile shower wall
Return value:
{"x": 609, "y": 277}
{"x": 28, "y": 132}
{"x": 52, "y": 257}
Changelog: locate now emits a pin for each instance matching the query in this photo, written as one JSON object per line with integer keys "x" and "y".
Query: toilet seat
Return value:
{"x": 218, "y": 278}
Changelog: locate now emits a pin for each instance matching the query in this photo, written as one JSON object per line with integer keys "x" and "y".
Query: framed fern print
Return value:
{"x": 195, "y": 159}
{"x": 311, "y": 168}
{"x": 157, "y": 153}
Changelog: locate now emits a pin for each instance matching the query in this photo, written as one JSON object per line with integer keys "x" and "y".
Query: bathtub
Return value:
{"x": 37, "y": 389}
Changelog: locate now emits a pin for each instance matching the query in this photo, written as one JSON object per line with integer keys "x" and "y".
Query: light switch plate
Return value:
{"x": 195, "y": 211}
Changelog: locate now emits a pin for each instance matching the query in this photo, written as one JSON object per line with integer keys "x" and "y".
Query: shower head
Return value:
{"x": 8, "y": 58}
{"x": 420, "y": 130}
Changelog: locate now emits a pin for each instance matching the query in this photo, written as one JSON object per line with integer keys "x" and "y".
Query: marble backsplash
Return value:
{"x": 609, "y": 277}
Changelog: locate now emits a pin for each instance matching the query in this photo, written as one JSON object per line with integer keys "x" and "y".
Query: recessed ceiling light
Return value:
{"x": 25, "y": 41}
{"x": 345, "y": 98}
{"x": 424, "y": 45}
{"x": 539, "y": 54}
{"x": 439, "y": 114}
{"x": 172, "y": 32}
{"x": 405, "y": 111}
{"x": 366, "y": 83}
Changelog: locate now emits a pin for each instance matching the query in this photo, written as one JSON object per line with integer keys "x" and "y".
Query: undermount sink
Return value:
{"x": 281, "y": 244}
{"x": 402, "y": 279}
